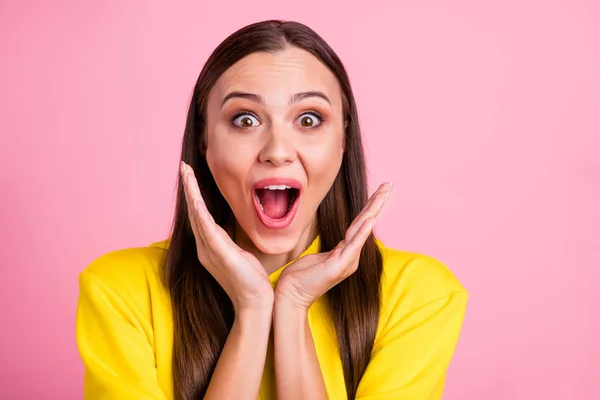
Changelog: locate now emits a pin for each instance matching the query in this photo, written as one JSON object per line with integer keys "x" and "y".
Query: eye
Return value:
{"x": 245, "y": 120}
{"x": 310, "y": 119}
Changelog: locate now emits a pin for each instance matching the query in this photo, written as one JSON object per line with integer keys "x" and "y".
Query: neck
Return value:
{"x": 272, "y": 262}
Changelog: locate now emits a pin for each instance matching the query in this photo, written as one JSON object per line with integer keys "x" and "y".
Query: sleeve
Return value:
{"x": 118, "y": 357}
{"x": 413, "y": 353}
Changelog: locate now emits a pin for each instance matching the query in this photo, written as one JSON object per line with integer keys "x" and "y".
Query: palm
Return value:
{"x": 238, "y": 272}
{"x": 304, "y": 279}
{"x": 308, "y": 278}
{"x": 258, "y": 271}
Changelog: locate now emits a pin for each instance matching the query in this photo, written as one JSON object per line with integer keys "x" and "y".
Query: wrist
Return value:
{"x": 258, "y": 305}
{"x": 263, "y": 308}
{"x": 254, "y": 317}
{"x": 283, "y": 304}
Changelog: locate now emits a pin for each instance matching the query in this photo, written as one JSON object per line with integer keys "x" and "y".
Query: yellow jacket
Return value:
{"x": 125, "y": 330}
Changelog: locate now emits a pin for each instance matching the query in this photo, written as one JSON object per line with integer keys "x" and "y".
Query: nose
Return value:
{"x": 278, "y": 148}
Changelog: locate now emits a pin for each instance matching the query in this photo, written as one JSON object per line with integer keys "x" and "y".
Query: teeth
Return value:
{"x": 277, "y": 187}
{"x": 258, "y": 201}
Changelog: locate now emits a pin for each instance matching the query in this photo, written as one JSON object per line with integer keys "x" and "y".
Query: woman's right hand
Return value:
{"x": 238, "y": 272}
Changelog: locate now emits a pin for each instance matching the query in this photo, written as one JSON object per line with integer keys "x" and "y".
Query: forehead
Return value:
{"x": 277, "y": 75}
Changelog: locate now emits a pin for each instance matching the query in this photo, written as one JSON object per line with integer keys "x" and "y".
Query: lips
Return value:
{"x": 276, "y": 201}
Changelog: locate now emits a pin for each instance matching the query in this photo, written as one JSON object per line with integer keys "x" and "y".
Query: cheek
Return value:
{"x": 228, "y": 166}
{"x": 322, "y": 165}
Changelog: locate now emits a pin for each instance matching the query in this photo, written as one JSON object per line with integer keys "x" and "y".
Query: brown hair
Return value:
{"x": 202, "y": 312}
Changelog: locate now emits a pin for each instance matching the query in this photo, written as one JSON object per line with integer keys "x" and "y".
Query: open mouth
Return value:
{"x": 277, "y": 200}
{"x": 276, "y": 205}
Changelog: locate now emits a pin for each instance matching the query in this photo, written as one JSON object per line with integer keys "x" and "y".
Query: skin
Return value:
{"x": 276, "y": 145}
{"x": 282, "y": 140}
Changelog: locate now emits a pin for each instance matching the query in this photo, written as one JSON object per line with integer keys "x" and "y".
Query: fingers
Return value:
{"x": 189, "y": 200}
{"x": 344, "y": 258}
{"x": 352, "y": 247}
{"x": 346, "y": 253}
{"x": 372, "y": 208}
{"x": 204, "y": 227}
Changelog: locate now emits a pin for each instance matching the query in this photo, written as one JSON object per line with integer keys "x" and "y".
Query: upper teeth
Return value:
{"x": 277, "y": 187}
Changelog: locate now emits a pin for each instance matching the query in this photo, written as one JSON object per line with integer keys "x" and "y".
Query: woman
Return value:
{"x": 271, "y": 282}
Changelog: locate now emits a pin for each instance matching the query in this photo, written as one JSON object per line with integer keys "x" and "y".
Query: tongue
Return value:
{"x": 275, "y": 202}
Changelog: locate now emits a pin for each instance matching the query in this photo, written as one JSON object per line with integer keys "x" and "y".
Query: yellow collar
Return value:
{"x": 311, "y": 249}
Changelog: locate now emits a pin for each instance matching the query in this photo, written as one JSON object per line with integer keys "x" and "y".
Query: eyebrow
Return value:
{"x": 258, "y": 99}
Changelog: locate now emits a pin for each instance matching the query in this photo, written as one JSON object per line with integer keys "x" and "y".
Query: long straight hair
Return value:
{"x": 202, "y": 312}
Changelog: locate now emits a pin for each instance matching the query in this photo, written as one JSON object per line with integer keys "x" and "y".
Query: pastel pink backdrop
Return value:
{"x": 486, "y": 114}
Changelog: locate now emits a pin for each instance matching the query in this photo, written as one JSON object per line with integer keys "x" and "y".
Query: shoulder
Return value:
{"x": 416, "y": 279}
{"x": 130, "y": 273}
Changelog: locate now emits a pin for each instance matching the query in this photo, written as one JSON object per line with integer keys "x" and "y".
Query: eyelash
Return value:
{"x": 245, "y": 112}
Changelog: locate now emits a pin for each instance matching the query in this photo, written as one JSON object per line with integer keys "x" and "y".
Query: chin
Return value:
{"x": 276, "y": 243}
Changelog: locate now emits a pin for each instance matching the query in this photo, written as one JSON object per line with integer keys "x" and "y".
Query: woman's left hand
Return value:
{"x": 307, "y": 279}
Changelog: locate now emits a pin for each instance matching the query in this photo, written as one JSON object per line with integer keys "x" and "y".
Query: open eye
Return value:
{"x": 310, "y": 119}
{"x": 245, "y": 120}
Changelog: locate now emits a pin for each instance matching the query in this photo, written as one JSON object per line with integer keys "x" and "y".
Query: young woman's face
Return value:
{"x": 275, "y": 137}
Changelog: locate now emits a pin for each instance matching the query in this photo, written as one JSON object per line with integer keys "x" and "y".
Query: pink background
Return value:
{"x": 486, "y": 114}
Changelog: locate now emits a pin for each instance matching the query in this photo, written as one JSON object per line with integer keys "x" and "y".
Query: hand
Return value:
{"x": 239, "y": 273}
{"x": 307, "y": 279}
